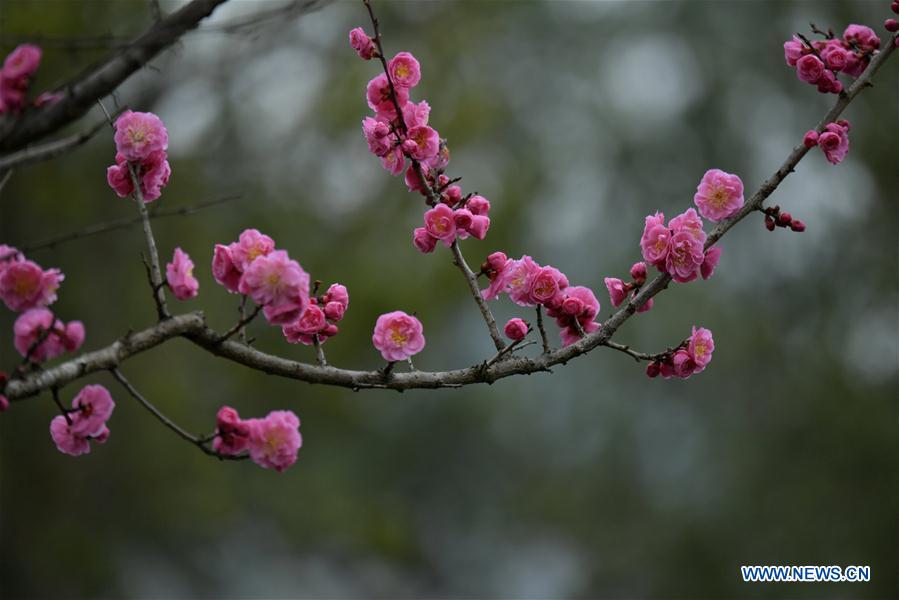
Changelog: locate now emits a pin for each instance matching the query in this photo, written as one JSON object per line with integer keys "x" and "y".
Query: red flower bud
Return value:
{"x": 769, "y": 223}
{"x": 797, "y": 225}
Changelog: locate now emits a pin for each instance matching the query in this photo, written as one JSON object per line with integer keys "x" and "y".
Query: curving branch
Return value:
{"x": 79, "y": 95}
{"x": 193, "y": 327}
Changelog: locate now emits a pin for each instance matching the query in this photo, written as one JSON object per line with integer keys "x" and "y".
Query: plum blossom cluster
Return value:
{"x": 678, "y": 247}
{"x": 398, "y": 336}
{"x": 398, "y": 132}
{"x": 817, "y": 62}
{"x": 271, "y": 442}
{"x": 529, "y": 284}
{"x": 27, "y": 288}
{"x": 18, "y": 69}
{"x": 319, "y": 319}
{"x": 253, "y": 267}
{"x": 85, "y": 422}
{"x": 692, "y": 356}
{"x": 833, "y": 141}
{"x": 141, "y": 144}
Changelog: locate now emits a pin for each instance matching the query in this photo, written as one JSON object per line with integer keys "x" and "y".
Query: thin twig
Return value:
{"x": 511, "y": 347}
{"x": 242, "y": 310}
{"x": 472, "y": 281}
{"x": 196, "y": 441}
{"x": 240, "y": 325}
{"x": 542, "y": 330}
{"x": 34, "y": 154}
{"x": 320, "y": 352}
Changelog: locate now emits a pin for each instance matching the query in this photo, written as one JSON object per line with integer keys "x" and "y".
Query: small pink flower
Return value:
{"x": 684, "y": 257}
{"x": 180, "y": 276}
{"x": 462, "y": 218}
{"x": 689, "y": 222}
{"x": 793, "y": 50}
{"x": 416, "y": 115}
{"x": 810, "y": 140}
{"x": 545, "y": 284}
{"x": 284, "y": 313}
{"x": 25, "y": 285}
{"x": 422, "y": 143}
{"x": 617, "y": 291}
{"x": 21, "y": 63}
{"x": 809, "y": 68}
{"x": 682, "y": 364}
{"x": 224, "y": 270}
{"x": 362, "y": 43}
{"x": 394, "y": 161}
{"x": 654, "y": 242}
{"x": 250, "y": 245}
{"x": 398, "y": 336}
{"x": 707, "y": 268}
{"x": 66, "y": 441}
{"x": 275, "y": 280}
{"x": 516, "y": 329}
{"x": 154, "y": 175}
{"x": 835, "y": 56}
{"x": 233, "y": 434}
{"x": 72, "y": 336}
{"x": 311, "y": 321}
{"x": 478, "y": 205}
{"x": 479, "y": 226}
{"x": 863, "y": 37}
{"x": 517, "y": 277}
{"x": 495, "y": 266}
{"x": 719, "y": 195}
{"x": 275, "y": 440}
{"x": 379, "y": 98}
{"x": 30, "y": 327}
{"x": 423, "y": 240}
{"x": 139, "y": 134}
{"x": 405, "y": 71}
{"x": 334, "y": 311}
{"x": 95, "y": 406}
{"x": 638, "y": 273}
{"x": 700, "y": 347}
{"x": 338, "y": 293}
{"x": 834, "y": 142}
{"x": 440, "y": 223}
{"x": 377, "y": 134}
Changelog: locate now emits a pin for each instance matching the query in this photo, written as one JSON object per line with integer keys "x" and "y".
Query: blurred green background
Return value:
{"x": 575, "y": 119}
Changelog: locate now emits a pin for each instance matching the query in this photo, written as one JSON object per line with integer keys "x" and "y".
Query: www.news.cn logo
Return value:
{"x": 810, "y": 573}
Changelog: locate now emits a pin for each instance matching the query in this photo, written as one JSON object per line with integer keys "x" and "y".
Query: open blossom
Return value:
{"x": 495, "y": 266}
{"x": 232, "y": 433}
{"x": 685, "y": 256}
{"x": 405, "y": 72}
{"x": 153, "y": 172}
{"x": 700, "y": 347}
{"x": 394, "y": 161}
{"x": 379, "y": 97}
{"x": 362, "y": 43}
{"x": 422, "y": 143}
{"x": 140, "y": 134}
{"x": 516, "y": 279}
{"x": 862, "y": 36}
{"x": 377, "y": 134}
{"x": 617, "y": 290}
{"x": 654, "y": 242}
{"x": 545, "y": 284}
{"x": 416, "y": 115}
{"x": 834, "y": 141}
{"x": 65, "y": 439}
{"x": 25, "y": 285}
{"x": 440, "y": 223}
{"x": 94, "y": 406}
{"x": 180, "y": 276}
{"x": 275, "y": 440}
{"x": 224, "y": 270}
{"x": 579, "y": 303}
{"x": 793, "y": 50}
{"x": 676, "y": 249}
{"x": 251, "y": 245}
{"x": 398, "y": 336}
{"x": 39, "y": 324}
{"x": 276, "y": 282}
{"x": 516, "y": 329}
{"x": 719, "y": 195}
{"x": 22, "y": 62}
{"x": 809, "y": 68}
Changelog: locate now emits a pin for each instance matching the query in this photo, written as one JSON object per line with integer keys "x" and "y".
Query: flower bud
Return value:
{"x": 769, "y": 223}
{"x": 653, "y": 369}
{"x": 891, "y": 25}
{"x": 811, "y": 139}
{"x": 638, "y": 273}
{"x": 784, "y": 218}
{"x": 797, "y": 225}
{"x": 516, "y": 329}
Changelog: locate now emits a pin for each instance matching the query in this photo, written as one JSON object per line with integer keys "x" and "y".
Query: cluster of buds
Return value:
{"x": 618, "y": 289}
{"x": 691, "y": 356}
{"x": 817, "y": 62}
{"x": 833, "y": 141}
{"x": 271, "y": 442}
{"x": 774, "y": 218}
{"x": 319, "y": 319}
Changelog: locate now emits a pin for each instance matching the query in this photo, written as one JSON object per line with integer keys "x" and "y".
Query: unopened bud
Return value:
{"x": 653, "y": 369}
{"x": 797, "y": 225}
{"x": 769, "y": 223}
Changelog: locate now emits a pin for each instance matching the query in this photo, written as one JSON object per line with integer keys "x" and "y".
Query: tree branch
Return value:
{"x": 34, "y": 154}
{"x": 79, "y": 95}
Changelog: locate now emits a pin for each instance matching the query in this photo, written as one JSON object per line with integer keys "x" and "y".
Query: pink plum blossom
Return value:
{"x": 65, "y": 439}
{"x": 793, "y": 50}
{"x": 233, "y": 434}
{"x": 478, "y": 205}
{"x": 834, "y": 141}
{"x": 516, "y": 329}
{"x": 153, "y": 172}
{"x": 33, "y": 326}
{"x": 398, "y": 336}
{"x": 422, "y": 143}
{"x": 275, "y": 440}
{"x": 251, "y": 245}
{"x": 638, "y": 273}
{"x": 362, "y": 43}
{"x": 377, "y": 134}
{"x": 94, "y": 406}
{"x": 517, "y": 276}
{"x": 334, "y": 311}
{"x": 140, "y": 134}
{"x": 405, "y": 72}
{"x": 416, "y": 115}
{"x": 684, "y": 258}
{"x": 617, "y": 290}
{"x": 22, "y": 62}
{"x": 180, "y": 276}
{"x": 545, "y": 284}
{"x": 712, "y": 256}
{"x": 24, "y": 285}
{"x": 809, "y": 68}
{"x": 394, "y": 161}
{"x": 719, "y": 195}
{"x": 654, "y": 242}
{"x": 440, "y": 223}
{"x": 379, "y": 97}
{"x": 700, "y": 347}
{"x": 275, "y": 280}
{"x": 224, "y": 270}
{"x": 423, "y": 240}
{"x": 72, "y": 336}
{"x": 682, "y": 364}
{"x": 337, "y": 293}
{"x": 479, "y": 226}
{"x": 862, "y": 36}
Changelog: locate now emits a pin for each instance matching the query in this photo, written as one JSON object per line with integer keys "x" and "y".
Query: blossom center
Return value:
{"x": 398, "y": 337}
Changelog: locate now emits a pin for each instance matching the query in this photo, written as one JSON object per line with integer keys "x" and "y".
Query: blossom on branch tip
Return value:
{"x": 140, "y": 134}
{"x": 617, "y": 291}
{"x": 66, "y": 441}
{"x": 405, "y": 72}
{"x": 709, "y": 262}
{"x": 440, "y": 223}
{"x": 422, "y": 143}
{"x": 423, "y": 240}
{"x": 179, "y": 275}
{"x": 94, "y": 406}
{"x": 398, "y": 336}
{"x": 25, "y": 285}
{"x": 379, "y": 97}
{"x": 224, "y": 269}
{"x": 278, "y": 283}
{"x": 362, "y": 43}
{"x": 39, "y": 332}
{"x": 700, "y": 347}
{"x": 275, "y": 440}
